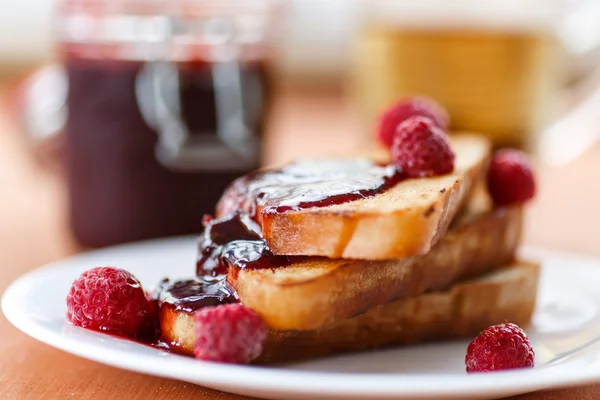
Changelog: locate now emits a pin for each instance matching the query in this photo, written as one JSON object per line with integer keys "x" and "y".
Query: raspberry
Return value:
{"x": 422, "y": 149}
{"x": 108, "y": 299}
{"x": 406, "y": 108}
{"x": 229, "y": 333}
{"x": 500, "y": 347}
{"x": 510, "y": 178}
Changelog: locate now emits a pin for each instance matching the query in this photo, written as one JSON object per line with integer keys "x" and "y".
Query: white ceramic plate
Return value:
{"x": 567, "y": 320}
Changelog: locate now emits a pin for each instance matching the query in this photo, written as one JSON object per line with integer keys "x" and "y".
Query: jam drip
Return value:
{"x": 192, "y": 294}
{"x": 233, "y": 241}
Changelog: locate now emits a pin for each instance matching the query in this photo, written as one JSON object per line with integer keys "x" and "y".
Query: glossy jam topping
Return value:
{"x": 217, "y": 235}
{"x": 233, "y": 241}
{"x": 253, "y": 254}
{"x": 190, "y": 295}
{"x": 306, "y": 184}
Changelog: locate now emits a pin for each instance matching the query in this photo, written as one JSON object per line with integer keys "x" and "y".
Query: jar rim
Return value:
{"x": 165, "y": 30}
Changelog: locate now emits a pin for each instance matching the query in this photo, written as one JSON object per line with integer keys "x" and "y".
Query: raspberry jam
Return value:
{"x": 192, "y": 294}
{"x": 228, "y": 242}
{"x": 307, "y": 184}
{"x": 234, "y": 241}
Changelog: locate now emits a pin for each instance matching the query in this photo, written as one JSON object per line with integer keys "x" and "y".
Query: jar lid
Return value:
{"x": 176, "y": 30}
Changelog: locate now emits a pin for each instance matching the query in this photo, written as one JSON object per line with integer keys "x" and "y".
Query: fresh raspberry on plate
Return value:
{"x": 229, "y": 333}
{"x": 500, "y": 347}
{"x": 108, "y": 299}
{"x": 406, "y": 108}
{"x": 510, "y": 178}
{"x": 421, "y": 149}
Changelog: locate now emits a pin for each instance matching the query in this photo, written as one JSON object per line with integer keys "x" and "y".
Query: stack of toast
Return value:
{"x": 425, "y": 259}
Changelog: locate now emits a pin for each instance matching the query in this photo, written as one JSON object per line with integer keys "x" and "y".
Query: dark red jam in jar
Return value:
{"x": 166, "y": 106}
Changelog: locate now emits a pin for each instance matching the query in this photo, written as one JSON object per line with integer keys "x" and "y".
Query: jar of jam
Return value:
{"x": 166, "y": 104}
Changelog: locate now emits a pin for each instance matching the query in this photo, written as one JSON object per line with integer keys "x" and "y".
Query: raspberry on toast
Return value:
{"x": 463, "y": 310}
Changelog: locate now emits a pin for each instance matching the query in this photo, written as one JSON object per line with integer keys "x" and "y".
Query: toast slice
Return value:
{"x": 314, "y": 292}
{"x": 403, "y": 221}
{"x": 464, "y": 310}
{"x": 508, "y": 294}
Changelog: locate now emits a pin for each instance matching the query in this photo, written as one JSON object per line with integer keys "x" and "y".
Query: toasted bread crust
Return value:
{"x": 404, "y": 221}
{"x": 319, "y": 291}
{"x": 463, "y": 310}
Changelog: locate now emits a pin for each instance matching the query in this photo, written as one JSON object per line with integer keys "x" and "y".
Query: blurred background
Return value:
{"x": 123, "y": 120}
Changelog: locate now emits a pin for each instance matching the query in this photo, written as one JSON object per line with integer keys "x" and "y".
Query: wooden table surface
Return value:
{"x": 34, "y": 230}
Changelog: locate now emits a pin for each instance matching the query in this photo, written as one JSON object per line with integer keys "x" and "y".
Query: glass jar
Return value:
{"x": 166, "y": 105}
